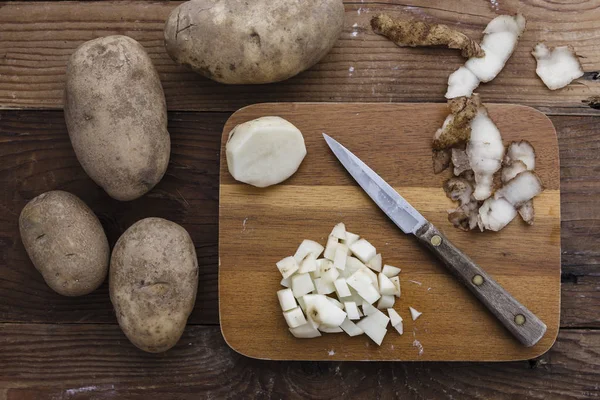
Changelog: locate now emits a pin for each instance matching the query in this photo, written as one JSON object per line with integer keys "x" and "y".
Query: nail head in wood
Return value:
{"x": 519, "y": 319}
{"x": 477, "y": 280}
{"x": 436, "y": 240}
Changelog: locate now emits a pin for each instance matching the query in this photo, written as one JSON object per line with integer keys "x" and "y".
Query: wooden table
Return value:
{"x": 61, "y": 348}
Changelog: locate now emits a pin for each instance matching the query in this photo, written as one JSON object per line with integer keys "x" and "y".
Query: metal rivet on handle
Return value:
{"x": 477, "y": 280}
{"x": 436, "y": 240}
{"x": 519, "y": 319}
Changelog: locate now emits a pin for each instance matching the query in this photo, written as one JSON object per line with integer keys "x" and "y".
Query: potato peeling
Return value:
{"x": 456, "y": 129}
{"x": 499, "y": 41}
{"x": 469, "y": 123}
{"x": 527, "y": 212}
{"x": 521, "y": 151}
{"x": 489, "y": 178}
{"x": 458, "y": 189}
{"x": 485, "y": 151}
{"x": 460, "y": 161}
{"x": 465, "y": 217}
{"x": 513, "y": 169}
{"x": 441, "y": 160}
{"x": 516, "y": 194}
{"x": 520, "y": 157}
{"x": 520, "y": 189}
{"x": 491, "y": 183}
{"x": 417, "y": 33}
{"x": 461, "y": 82}
{"x": 495, "y": 214}
{"x": 556, "y": 67}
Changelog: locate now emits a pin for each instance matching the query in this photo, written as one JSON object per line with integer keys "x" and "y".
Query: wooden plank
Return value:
{"x": 580, "y": 213}
{"x": 36, "y": 39}
{"x": 35, "y": 156}
{"x": 39, "y": 361}
{"x": 390, "y": 138}
{"x": 579, "y": 148}
{"x": 578, "y": 292}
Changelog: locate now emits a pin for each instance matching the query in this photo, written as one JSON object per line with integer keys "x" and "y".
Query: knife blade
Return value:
{"x": 519, "y": 320}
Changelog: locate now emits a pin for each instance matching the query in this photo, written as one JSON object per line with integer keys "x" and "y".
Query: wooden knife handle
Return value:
{"x": 521, "y": 322}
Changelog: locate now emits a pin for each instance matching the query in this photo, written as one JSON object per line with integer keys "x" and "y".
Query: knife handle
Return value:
{"x": 521, "y": 322}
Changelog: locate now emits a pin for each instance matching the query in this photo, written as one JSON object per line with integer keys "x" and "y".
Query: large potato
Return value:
{"x": 65, "y": 242}
{"x": 117, "y": 116}
{"x": 153, "y": 281}
{"x": 258, "y": 41}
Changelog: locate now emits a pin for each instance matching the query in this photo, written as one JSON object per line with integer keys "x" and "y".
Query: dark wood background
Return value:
{"x": 62, "y": 348}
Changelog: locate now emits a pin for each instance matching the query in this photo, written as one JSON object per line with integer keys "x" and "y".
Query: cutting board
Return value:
{"x": 258, "y": 227}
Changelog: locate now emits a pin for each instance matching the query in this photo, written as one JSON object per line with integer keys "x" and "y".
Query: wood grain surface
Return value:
{"x": 35, "y": 156}
{"x": 52, "y": 347}
{"x": 82, "y": 359}
{"x": 39, "y": 361}
{"x": 36, "y": 39}
{"x": 258, "y": 227}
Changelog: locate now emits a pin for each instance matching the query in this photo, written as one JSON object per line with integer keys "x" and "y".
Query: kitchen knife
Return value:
{"x": 521, "y": 322}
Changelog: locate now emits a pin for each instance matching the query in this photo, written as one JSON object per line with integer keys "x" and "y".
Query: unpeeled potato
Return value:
{"x": 250, "y": 42}
{"x": 153, "y": 281}
{"x": 116, "y": 116}
{"x": 65, "y": 241}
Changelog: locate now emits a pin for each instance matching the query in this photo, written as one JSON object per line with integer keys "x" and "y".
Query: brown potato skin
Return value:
{"x": 153, "y": 281}
{"x": 65, "y": 241}
{"x": 252, "y": 42}
{"x": 116, "y": 116}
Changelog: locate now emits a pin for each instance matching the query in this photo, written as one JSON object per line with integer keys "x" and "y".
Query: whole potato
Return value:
{"x": 65, "y": 241}
{"x": 258, "y": 41}
{"x": 117, "y": 116}
{"x": 153, "y": 281}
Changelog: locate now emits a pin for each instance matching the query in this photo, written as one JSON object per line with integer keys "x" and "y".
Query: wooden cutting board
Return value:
{"x": 258, "y": 227}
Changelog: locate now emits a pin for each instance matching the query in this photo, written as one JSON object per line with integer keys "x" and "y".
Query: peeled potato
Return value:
{"x": 264, "y": 151}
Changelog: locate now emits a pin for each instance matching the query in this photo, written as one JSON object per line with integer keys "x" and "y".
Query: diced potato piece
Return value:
{"x": 386, "y": 302}
{"x": 386, "y": 286}
{"x": 335, "y": 302}
{"x": 375, "y": 263}
{"x": 341, "y": 253}
{"x": 339, "y": 231}
{"x": 390, "y": 271}
{"x": 341, "y": 288}
{"x": 306, "y": 331}
{"x": 350, "y": 239}
{"x": 309, "y": 264}
{"x": 396, "y": 281}
{"x": 294, "y": 317}
{"x": 286, "y": 299}
{"x": 351, "y": 310}
{"x": 302, "y": 284}
{"x": 287, "y": 266}
{"x": 395, "y": 318}
{"x": 363, "y": 250}
{"x": 414, "y": 313}
{"x": 372, "y": 328}
{"x": 351, "y": 328}
{"x": 330, "y": 329}
{"x": 323, "y": 286}
{"x": 307, "y": 247}
{"x": 332, "y": 243}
